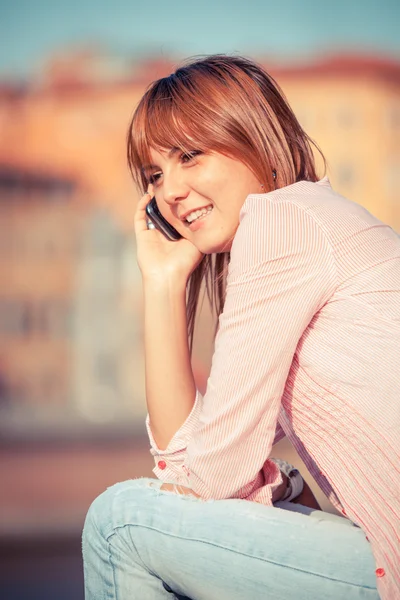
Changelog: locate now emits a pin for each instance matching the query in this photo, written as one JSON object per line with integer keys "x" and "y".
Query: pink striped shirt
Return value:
{"x": 308, "y": 346}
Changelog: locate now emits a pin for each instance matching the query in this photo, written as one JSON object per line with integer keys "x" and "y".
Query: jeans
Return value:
{"x": 139, "y": 542}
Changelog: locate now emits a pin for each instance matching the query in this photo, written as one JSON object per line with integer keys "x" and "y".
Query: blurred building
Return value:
{"x": 70, "y": 353}
{"x": 74, "y": 120}
{"x": 69, "y": 340}
{"x": 37, "y": 260}
{"x": 71, "y": 360}
{"x": 351, "y": 107}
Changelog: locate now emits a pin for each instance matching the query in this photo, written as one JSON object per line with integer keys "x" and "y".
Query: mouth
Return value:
{"x": 197, "y": 215}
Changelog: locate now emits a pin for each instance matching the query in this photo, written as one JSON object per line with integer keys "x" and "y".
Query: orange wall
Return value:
{"x": 81, "y": 131}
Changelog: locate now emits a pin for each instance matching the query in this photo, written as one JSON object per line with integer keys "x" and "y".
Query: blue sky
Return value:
{"x": 287, "y": 30}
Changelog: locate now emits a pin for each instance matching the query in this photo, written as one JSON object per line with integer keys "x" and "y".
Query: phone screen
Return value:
{"x": 153, "y": 213}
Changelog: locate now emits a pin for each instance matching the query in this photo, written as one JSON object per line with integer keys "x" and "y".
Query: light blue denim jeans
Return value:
{"x": 139, "y": 542}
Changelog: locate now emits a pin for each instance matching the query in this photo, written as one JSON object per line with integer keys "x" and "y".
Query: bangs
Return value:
{"x": 163, "y": 119}
{"x": 226, "y": 105}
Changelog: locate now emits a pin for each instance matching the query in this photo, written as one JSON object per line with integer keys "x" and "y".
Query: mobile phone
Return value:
{"x": 153, "y": 213}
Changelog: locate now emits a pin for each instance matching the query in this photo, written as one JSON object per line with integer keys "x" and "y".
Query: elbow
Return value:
{"x": 162, "y": 441}
{"x": 162, "y": 444}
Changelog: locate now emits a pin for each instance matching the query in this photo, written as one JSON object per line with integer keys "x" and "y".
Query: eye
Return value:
{"x": 154, "y": 178}
{"x": 189, "y": 156}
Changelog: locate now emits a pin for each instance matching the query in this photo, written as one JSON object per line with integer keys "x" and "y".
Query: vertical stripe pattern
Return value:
{"x": 309, "y": 345}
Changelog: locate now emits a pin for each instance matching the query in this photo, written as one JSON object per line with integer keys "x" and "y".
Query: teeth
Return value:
{"x": 198, "y": 213}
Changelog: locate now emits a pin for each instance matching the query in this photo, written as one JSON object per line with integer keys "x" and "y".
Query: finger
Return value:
{"x": 141, "y": 205}
{"x": 140, "y": 219}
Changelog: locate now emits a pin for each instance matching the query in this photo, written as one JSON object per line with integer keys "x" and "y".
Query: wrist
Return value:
{"x": 294, "y": 480}
{"x": 164, "y": 284}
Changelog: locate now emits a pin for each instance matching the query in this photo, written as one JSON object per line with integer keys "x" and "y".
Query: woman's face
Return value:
{"x": 211, "y": 183}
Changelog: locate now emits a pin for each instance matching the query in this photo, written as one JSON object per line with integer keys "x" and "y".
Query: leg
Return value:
{"x": 137, "y": 537}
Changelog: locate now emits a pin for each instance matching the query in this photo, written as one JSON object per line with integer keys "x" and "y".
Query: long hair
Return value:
{"x": 230, "y": 105}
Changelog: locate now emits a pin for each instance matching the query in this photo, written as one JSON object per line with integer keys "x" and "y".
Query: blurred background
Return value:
{"x": 72, "y": 403}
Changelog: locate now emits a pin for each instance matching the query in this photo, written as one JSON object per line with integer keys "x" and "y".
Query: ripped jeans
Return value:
{"x": 143, "y": 543}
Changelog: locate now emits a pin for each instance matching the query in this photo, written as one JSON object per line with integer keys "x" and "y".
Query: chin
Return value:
{"x": 216, "y": 248}
{"x": 212, "y": 241}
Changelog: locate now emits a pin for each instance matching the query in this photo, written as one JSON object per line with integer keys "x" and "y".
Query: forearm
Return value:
{"x": 170, "y": 385}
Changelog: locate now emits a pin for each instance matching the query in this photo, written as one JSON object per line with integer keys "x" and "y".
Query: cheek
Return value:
{"x": 211, "y": 181}
{"x": 165, "y": 210}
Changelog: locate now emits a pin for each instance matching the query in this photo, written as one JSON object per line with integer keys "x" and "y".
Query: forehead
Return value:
{"x": 159, "y": 154}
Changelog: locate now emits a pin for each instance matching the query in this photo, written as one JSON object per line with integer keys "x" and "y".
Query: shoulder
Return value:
{"x": 283, "y": 223}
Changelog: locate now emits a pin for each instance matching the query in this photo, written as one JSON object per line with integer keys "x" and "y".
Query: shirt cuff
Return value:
{"x": 295, "y": 481}
{"x": 169, "y": 461}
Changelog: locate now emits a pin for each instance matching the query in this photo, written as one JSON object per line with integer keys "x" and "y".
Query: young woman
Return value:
{"x": 307, "y": 287}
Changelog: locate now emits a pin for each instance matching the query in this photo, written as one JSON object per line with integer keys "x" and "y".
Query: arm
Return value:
{"x": 165, "y": 267}
{"x": 291, "y": 276}
{"x": 281, "y": 274}
{"x": 170, "y": 386}
{"x": 174, "y": 455}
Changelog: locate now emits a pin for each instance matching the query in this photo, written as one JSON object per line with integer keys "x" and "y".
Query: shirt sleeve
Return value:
{"x": 169, "y": 462}
{"x": 172, "y": 458}
{"x": 281, "y": 273}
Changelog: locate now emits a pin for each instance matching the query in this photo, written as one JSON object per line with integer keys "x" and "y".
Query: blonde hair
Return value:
{"x": 230, "y": 105}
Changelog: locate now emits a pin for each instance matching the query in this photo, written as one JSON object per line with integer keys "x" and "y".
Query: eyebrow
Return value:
{"x": 170, "y": 154}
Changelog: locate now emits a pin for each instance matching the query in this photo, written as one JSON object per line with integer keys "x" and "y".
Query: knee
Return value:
{"x": 98, "y": 515}
{"x": 105, "y": 509}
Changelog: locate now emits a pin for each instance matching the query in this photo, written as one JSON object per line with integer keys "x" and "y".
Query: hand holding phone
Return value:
{"x": 159, "y": 260}
{"x": 153, "y": 213}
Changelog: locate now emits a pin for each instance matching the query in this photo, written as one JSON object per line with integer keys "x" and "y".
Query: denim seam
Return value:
{"x": 144, "y": 566}
{"x": 112, "y": 563}
{"x": 115, "y": 532}
{"x": 242, "y": 554}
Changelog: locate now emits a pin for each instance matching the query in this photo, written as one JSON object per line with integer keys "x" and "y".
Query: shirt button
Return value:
{"x": 161, "y": 464}
{"x": 380, "y": 572}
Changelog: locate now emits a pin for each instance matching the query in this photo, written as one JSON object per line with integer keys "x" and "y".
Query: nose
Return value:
{"x": 175, "y": 188}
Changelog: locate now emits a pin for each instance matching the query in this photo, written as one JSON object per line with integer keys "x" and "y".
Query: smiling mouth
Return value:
{"x": 197, "y": 214}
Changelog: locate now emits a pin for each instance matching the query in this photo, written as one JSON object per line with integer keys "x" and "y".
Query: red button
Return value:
{"x": 162, "y": 464}
{"x": 380, "y": 572}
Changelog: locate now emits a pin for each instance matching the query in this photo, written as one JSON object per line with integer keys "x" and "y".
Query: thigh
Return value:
{"x": 235, "y": 549}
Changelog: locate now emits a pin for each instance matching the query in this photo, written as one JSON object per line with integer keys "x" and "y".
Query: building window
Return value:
{"x": 54, "y": 318}
{"x": 16, "y": 317}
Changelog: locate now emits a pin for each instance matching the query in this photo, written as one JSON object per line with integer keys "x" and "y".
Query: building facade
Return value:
{"x": 70, "y": 296}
